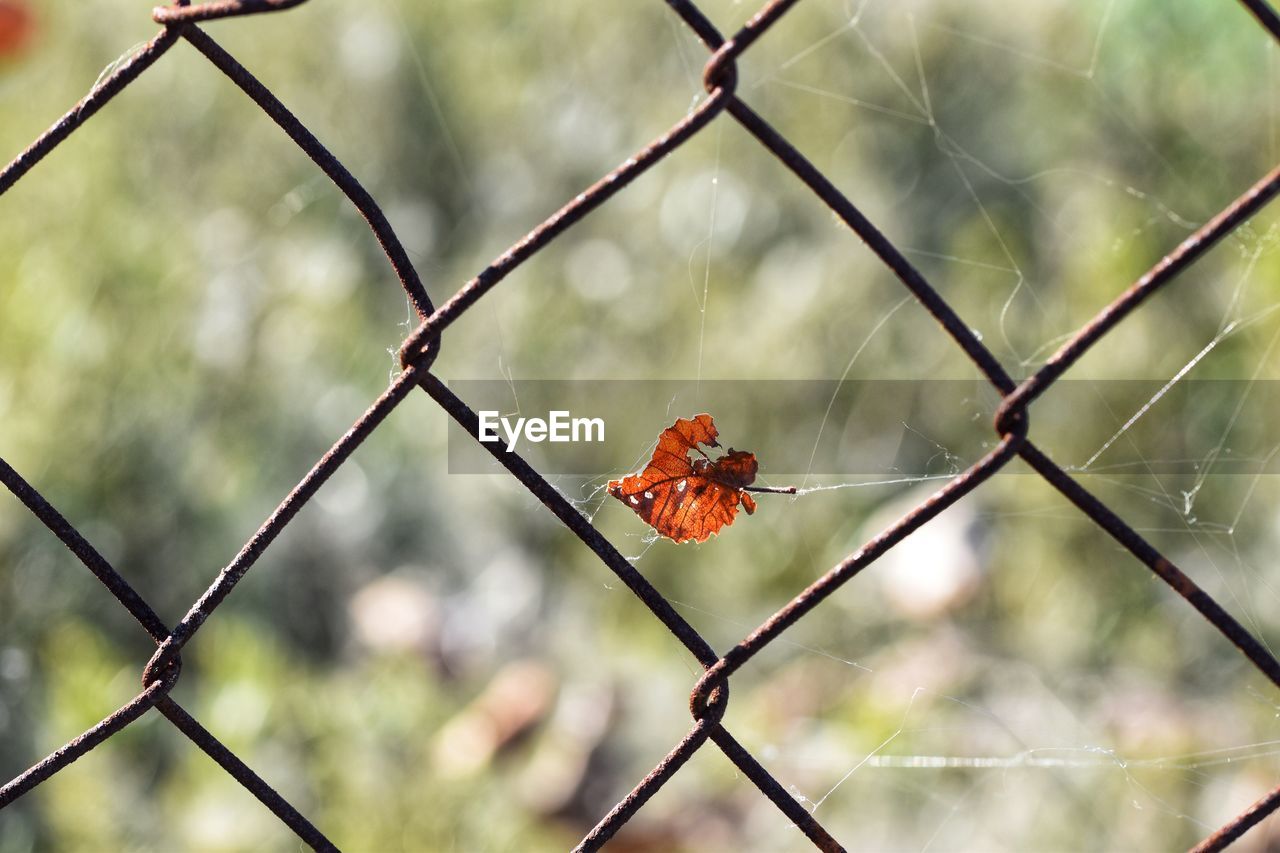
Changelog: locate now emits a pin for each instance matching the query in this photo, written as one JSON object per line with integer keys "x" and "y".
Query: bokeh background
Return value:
{"x": 190, "y": 314}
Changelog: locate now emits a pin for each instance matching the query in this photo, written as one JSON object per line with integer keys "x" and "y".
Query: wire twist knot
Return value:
{"x": 1012, "y": 417}
{"x": 721, "y": 70}
{"x": 165, "y": 665}
{"x": 709, "y": 698}
{"x": 417, "y": 353}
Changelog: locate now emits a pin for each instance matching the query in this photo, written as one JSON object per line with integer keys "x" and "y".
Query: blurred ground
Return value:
{"x": 190, "y": 314}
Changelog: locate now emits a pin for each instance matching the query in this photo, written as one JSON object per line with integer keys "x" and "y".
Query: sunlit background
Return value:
{"x": 191, "y": 314}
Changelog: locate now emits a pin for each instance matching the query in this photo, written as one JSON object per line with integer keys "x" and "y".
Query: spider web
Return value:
{"x": 1017, "y": 741}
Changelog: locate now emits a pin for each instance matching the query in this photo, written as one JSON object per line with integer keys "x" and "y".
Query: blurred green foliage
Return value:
{"x": 190, "y": 315}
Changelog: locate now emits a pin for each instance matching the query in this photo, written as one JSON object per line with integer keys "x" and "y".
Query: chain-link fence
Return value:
{"x": 710, "y": 695}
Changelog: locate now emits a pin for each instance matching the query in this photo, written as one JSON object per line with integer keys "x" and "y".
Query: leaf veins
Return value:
{"x": 688, "y": 500}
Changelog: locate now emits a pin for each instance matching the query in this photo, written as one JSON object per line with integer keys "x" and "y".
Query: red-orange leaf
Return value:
{"x": 688, "y": 500}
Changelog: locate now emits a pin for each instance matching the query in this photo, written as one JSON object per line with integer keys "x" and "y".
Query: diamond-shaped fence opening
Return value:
{"x": 710, "y": 695}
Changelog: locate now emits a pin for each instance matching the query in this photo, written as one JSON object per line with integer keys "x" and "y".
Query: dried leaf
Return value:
{"x": 688, "y": 500}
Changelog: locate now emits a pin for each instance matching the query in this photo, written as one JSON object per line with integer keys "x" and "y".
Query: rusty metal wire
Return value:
{"x": 710, "y": 695}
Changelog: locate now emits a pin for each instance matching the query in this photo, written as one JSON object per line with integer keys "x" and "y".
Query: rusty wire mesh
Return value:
{"x": 710, "y": 695}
